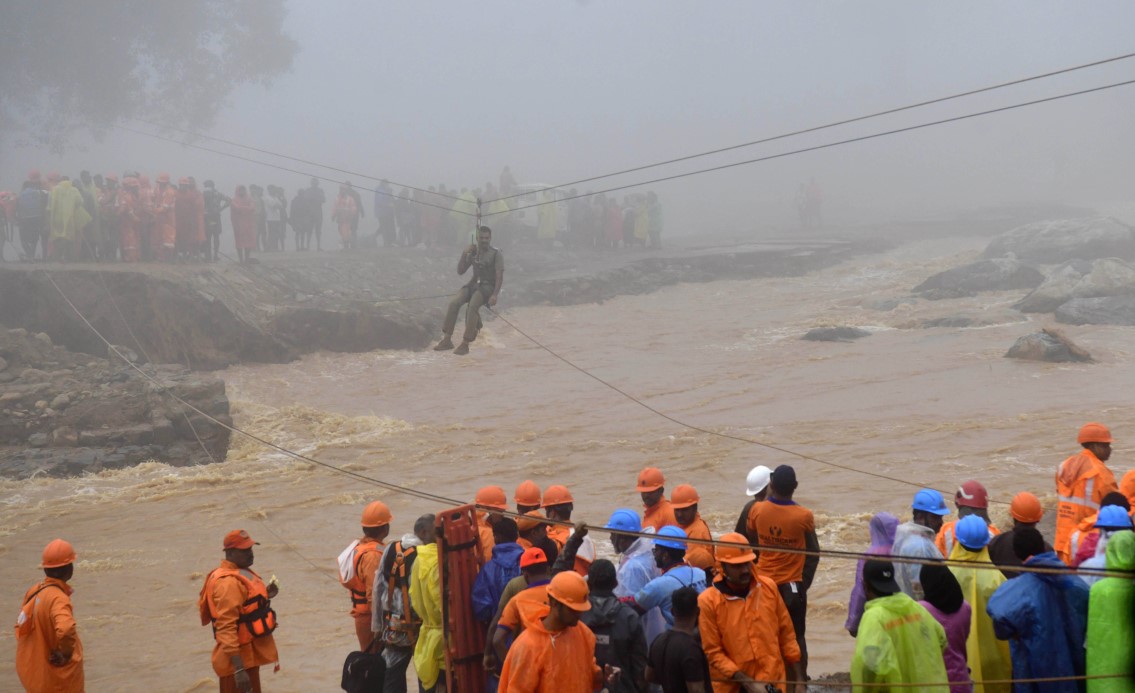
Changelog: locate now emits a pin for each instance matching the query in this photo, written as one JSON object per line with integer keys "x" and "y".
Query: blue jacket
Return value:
{"x": 494, "y": 575}
{"x": 1044, "y": 618}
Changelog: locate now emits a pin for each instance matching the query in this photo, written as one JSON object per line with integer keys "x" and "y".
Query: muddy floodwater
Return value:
{"x": 930, "y": 406}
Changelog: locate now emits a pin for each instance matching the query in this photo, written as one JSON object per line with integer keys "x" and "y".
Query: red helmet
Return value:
{"x": 971, "y": 494}
{"x": 163, "y": 177}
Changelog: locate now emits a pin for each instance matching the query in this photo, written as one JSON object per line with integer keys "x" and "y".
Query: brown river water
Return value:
{"x": 930, "y": 406}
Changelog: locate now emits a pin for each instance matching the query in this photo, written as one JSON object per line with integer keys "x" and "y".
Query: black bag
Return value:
{"x": 364, "y": 672}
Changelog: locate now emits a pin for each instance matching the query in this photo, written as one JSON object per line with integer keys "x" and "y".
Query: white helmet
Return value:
{"x": 757, "y": 480}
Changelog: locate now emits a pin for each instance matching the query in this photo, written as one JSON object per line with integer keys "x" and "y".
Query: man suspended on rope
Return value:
{"x": 488, "y": 275}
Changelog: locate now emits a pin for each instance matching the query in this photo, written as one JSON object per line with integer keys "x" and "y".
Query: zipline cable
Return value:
{"x": 291, "y": 158}
{"x": 818, "y": 147}
{"x": 817, "y": 128}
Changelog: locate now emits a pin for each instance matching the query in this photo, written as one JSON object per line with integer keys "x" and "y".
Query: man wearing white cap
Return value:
{"x": 756, "y": 486}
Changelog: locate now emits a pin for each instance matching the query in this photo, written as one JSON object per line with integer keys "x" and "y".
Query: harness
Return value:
{"x": 256, "y": 619}
{"x": 357, "y": 585}
{"x": 407, "y": 622}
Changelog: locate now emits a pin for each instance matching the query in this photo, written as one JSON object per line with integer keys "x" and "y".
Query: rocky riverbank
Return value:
{"x": 66, "y": 414}
{"x": 210, "y": 316}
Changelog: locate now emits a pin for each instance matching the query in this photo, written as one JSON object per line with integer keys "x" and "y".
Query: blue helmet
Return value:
{"x": 1113, "y": 517}
{"x": 625, "y": 519}
{"x": 930, "y": 501}
{"x": 676, "y": 533}
{"x": 972, "y": 532}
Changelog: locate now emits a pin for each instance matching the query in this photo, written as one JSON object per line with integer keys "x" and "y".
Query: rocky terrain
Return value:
{"x": 65, "y": 414}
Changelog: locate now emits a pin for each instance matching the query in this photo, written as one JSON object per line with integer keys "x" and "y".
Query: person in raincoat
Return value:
{"x": 49, "y": 654}
{"x": 988, "y": 656}
{"x": 547, "y": 220}
{"x": 67, "y": 217}
{"x": 641, "y": 220}
{"x": 1112, "y": 520}
{"x": 915, "y": 539}
{"x": 242, "y": 212}
{"x": 425, "y": 595}
{"x": 346, "y": 215}
{"x": 1042, "y": 615}
{"x": 619, "y": 637}
{"x": 497, "y": 571}
{"x": 882, "y": 526}
{"x": 1111, "y": 620}
{"x": 899, "y": 642}
{"x": 946, "y": 604}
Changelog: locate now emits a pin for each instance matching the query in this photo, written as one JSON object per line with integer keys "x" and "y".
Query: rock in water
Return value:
{"x": 999, "y": 274}
{"x": 1051, "y": 242}
{"x": 835, "y": 334}
{"x": 1080, "y": 279}
{"x": 1047, "y": 345}
{"x": 1111, "y": 310}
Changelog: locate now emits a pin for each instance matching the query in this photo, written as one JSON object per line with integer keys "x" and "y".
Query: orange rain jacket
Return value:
{"x": 699, "y": 555}
{"x": 541, "y": 661}
{"x": 368, "y": 557}
{"x": 1081, "y": 483}
{"x": 753, "y": 635}
{"x": 224, "y": 599}
{"x": 46, "y": 624}
{"x": 659, "y": 515}
{"x": 485, "y": 535}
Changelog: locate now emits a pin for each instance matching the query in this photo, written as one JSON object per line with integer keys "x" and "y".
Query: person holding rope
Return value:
{"x": 483, "y": 289}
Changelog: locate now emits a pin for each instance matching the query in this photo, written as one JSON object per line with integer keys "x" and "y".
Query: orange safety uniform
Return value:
{"x": 753, "y": 634}
{"x": 368, "y": 559}
{"x": 698, "y": 555}
{"x": 945, "y": 539}
{"x": 525, "y": 608}
{"x": 541, "y": 661}
{"x": 485, "y": 536}
{"x": 235, "y": 601}
{"x": 659, "y": 515}
{"x": 45, "y": 624}
{"x": 781, "y": 525}
{"x": 164, "y": 231}
{"x": 559, "y": 534}
{"x": 1082, "y": 481}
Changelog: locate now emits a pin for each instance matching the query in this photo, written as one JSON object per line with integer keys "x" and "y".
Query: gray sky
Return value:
{"x": 450, "y": 92}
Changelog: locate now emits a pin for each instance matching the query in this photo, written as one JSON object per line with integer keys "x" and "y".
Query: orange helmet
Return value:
{"x": 492, "y": 497}
{"x": 735, "y": 549}
{"x": 650, "y": 479}
{"x": 570, "y": 589}
{"x": 1026, "y": 508}
{"x": 57, "y": 554}
{"x": 557, "y": 495}
{"x": 528, "y": 493}
{"x": 163, "y": 177}
{"x": 683, "y": 497}
{"x": 1094, "y": 433}
{"x": 376, "y": 514}
{"x": 529, "y": 520}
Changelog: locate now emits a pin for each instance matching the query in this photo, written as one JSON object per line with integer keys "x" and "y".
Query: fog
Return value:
{"x": 429, "y": 93}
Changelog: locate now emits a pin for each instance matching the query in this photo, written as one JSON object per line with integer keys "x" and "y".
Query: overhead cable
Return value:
{"x": 838, "y": 123}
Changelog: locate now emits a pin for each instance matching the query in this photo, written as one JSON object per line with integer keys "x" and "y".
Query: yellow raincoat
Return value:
{"x": 988, "y": 657}
{"x": 546, "y": 213}
{"x": 65, "y": 212}
{"x": 641, "y": 220}
{"x": 425, "y": 595}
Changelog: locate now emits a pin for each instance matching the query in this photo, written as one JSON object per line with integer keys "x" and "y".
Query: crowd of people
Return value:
{"x": 129, "y": 219}
{"x": 675, "y": 611}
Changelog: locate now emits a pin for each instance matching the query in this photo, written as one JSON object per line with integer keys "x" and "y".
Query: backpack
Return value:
{"x": 363, "y": 672}
{"x": 30, "y": 205}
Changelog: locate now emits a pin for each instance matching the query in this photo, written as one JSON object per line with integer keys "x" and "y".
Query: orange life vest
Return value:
{"x": 407, "y": 623}
{"x": 356, "y": 584}
{"x": 256, "y": 619}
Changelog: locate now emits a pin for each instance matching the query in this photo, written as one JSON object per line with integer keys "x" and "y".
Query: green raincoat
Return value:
{"x": 898, "y": 642}
{"x": 988, "y": 657}
{"x": 1111, "y": 620}
{"x": 425, "y": 596}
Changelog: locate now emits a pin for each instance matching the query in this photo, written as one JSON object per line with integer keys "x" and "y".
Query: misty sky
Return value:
{"x": 450, "y": 92}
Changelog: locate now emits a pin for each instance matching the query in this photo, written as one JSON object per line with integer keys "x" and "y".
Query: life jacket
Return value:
{"x": 256, "y": 619}
{"x": 407, "y": 623}
{"x": 351, "y": 578}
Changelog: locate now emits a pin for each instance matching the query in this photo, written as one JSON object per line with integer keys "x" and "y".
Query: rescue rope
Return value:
{"x": 295, "y": 159}
{"x": 288, "y": 170}
{"x": 838, "y": 143}
{"x": 829, "y": 125}
{"x": 451, "y": 502}
{"x": 700, "y": 429}
{"x": 920, "y": 684}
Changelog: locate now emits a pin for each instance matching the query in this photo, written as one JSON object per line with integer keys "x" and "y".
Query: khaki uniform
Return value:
{"x": 476, "y": 293}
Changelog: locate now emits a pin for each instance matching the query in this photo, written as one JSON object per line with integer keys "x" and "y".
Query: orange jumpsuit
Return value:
{"x": 163, "y": 236}
{"x": 559, "y": 534}
{"x": 527, "y": 606}
{"x": 229, "y": 595}
{"x": 485, "y": 533}
{"x": 50, "y": 626}
{"x": 659, "y": 515}
{"x": 1081, "y": 483}
{"x": 698, "y": 555}
{"x": 541, "y": 661}
{"x": 753, "y": 635}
